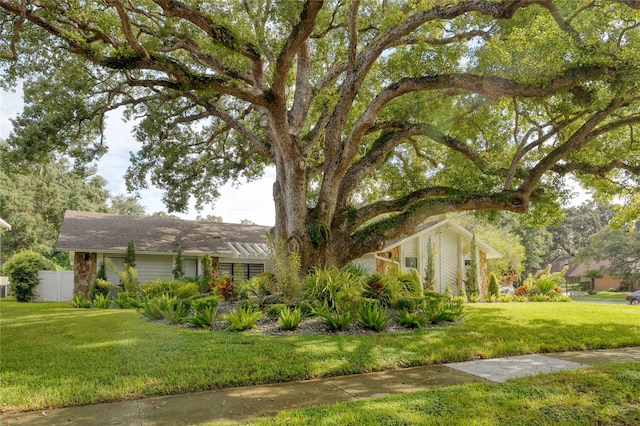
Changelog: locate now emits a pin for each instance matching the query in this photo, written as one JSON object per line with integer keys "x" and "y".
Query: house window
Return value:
{"x": 411, "y": 262}
{"x": 240, "y": 271}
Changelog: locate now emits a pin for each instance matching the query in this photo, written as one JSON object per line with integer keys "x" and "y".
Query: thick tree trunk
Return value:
{"x": 290, "y": 198}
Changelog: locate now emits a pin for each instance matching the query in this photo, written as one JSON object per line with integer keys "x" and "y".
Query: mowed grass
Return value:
{"x": 52, "y": 355}
{"x": 603, "y": 296}
{"x": 608, "y": 394}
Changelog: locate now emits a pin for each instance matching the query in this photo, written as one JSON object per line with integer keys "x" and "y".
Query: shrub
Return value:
{"x": 373, "y": 316}
{"x": 494, "y": 287}
{"x": 523, "y": 290}
{"x": 409, "y": 304}
{"x": 474, "y": 298}
{"x": 546, "y": 285}
{"x": 430, "y": 268}
{"x": 126, "y": 300}
{"x": 206, "y": 302}
{"x": 448, "y": 292}
{"x": 202, "y": 317}
{"x": 290, "y": 319}
{"x": 100, "y": 287}
{"x": 226, "y": 288}
{"x": 492, "y": 298}
{"x": 306, "y": 309}
{"x": 160, "y": 286}
{"x": 449, "y": 311}
{"x": 374, "y": 288}
{"x": 178, "y": 268}
{"x": 260, "y": 286}
{"x": 506, "y": 298}
{"x": 176, "y": 311}
{"x": 101, "y": 301}
{"x": 129, "y": 279}
{"x": 79, "y": 301}
{"x": 439, "y": 308}
{"x": 151, "y": 309}
{"x": 272, "y": 299}
{"x": 22, "y": 269}
{"x": 412, "y": 319}
{"x": 249, "y": 304}
{"x": 591, "y": 292}
{"x": 540, "y": 298}
{"x": 334, "y": 320}
{"x": 562, "y": 298}
{"x": 187, "y": 290}
{"x": 206, "y": 280}
{"x": 335, "y": 288}
{"x": 472, "y": 281}
{"x": 286, "y": 264}
{"x": 410, "y": 283}
{"x": 130, "y": 256}
{"x": 386, "y": 288}
{"x": 355, "y": 269}
{"x": 273, "y": 311}
{"x": 242, "y": 319}
{"x": 101, "y": 274}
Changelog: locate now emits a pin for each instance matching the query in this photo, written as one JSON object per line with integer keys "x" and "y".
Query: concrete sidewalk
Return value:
{"x": 246, "y": 403}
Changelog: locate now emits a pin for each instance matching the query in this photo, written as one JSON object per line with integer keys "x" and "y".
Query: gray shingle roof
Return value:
{"x": 100, "y": 232}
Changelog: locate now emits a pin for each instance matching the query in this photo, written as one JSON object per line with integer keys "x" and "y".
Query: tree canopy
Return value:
{"x": 34, "y": 197}
{"x": 376, "y": 114}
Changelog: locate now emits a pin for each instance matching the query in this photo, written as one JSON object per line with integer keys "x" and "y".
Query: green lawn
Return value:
{"x": 52, "y": 355}
{"x": 603, "y": 296}
{"x": 608, "y": 394}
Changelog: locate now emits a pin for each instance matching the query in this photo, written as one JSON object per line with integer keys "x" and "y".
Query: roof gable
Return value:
{"x": 430, "y": 226}
{"x": 100, "y": 232}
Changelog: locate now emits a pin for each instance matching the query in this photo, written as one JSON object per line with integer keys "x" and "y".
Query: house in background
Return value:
{"x": 578, "y": 273}
{"x": 450, "y": 244}
{"x": 238, "y": 250}
{"x": 242, "y": 250}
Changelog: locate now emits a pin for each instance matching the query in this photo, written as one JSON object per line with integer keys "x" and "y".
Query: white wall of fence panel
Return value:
{"x": 55, "y": 286}
{"x": 4, "y": 287}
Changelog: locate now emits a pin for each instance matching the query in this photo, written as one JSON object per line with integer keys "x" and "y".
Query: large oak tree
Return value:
{"x": 375, "y": 114}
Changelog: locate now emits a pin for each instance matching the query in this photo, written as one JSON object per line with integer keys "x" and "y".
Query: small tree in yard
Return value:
{"x": 207, "y": 273}
{"x": 430, "y": 269}
{"x": 130, "y": 255}
{"x": 178, "y": 269}
{"x": 472, "y": 272}
{"x": 102, "y": 271}
{"x": 22, "y": 269}
{"x": 494, "y": 287}
{"x": 286, "y": 264}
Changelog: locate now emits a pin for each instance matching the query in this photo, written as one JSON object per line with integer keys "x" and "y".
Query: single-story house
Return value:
{"x": 450, "y": 244}
{"x": 242, "y": 250}
{"x": 238, "y": 250}
{"x": 577, "y": 272}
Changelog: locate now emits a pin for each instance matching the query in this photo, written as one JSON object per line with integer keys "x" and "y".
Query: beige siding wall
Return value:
{"x": 410, "y": 248}
{"x": 368, "y": 261}
{"x": 605, "y": 283}
{"x": 150, "y": 267}
{"x": 447, "y": 263}
{"x": 190, "y": 267}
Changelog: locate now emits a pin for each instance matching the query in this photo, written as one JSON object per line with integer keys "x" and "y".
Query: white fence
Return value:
{"x": 55, "y": 286}
{"x": 4, "y": 287}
